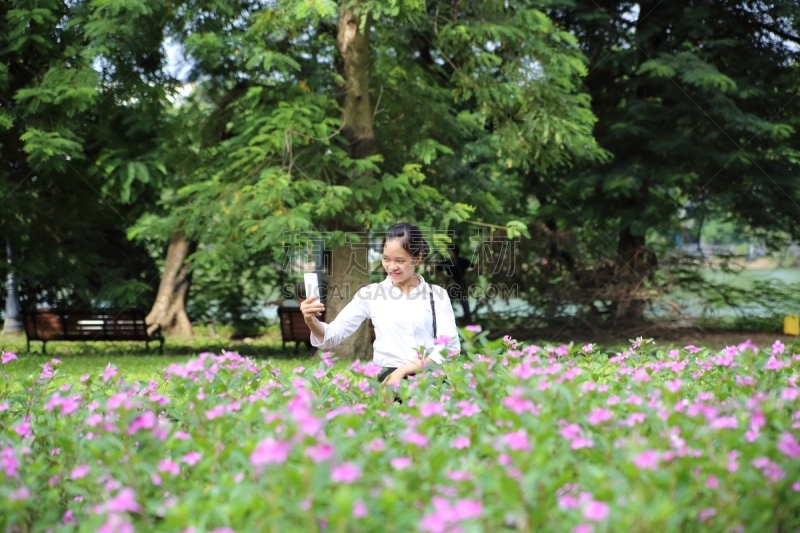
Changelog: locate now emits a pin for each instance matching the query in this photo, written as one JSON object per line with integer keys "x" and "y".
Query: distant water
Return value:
{"x": 690, "y": 304}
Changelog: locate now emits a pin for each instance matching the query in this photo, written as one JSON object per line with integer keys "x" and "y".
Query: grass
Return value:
{"x": 136, "y": 363}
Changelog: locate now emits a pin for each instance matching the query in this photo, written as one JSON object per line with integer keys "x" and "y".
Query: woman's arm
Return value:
{"x": 328, "y": 336}
{"x": 445, "y": 326}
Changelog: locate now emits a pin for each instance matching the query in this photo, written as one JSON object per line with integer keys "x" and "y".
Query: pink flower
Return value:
{"x": 777, "y": 348}
{"x": 725, "y": 422}
{"x": 468, "y": 409}
{"x": 467, "y": 509}
{"x": 647, "y": 460}
{"x": 519, "y": 405}
{"x": 22, "y": 493}
{"x": 400, "y": 463}
{"x": 583, "y": 528}
{"x": 517, "y": 440}
{"x": 567, "y": 501}
{"x": 417, "y": 439}
{"x": 359, "y": 509}
{"x": 269, "y": 451}
{"x": 375, "y": 445}
{"x": 146, "y": 421}
{"x": 345, "y": 473}
{"x": 441, "y": 340}
{"x": 69, "y": 517}
{"x": 116, "y": 523}
{"x": 320, "y": 452}
{"x": 8, "y": 357}
{"x": 23, "y": 429}
{"x": 428, "y": 409}
{"x": 460, "y": 443}
{"x": 788, "y": 445}
{"x": 595, "y": 511}
{"x": 459, "y": 475}
{"x": 769, "y": 469}
{"x": 705, "y": 514}
{"x": 774, "y": 363}
{"x": 9, "y": 462}
{"x": 47, "y": 371}
{"x": 599, "y": 415}
{"x": 192, "y": 458}
{"x": 571, "y": 431}
{"x": 635, "y": 418}
{"x": 79, "y": 472}
{"x": 123, "y": 502}
{"x": 581, "y": 442}
{"x": 109, "y": 373}
{"x": 215, "y": 412}
{"x": 473, "y": 328}
{"x": 167, "y": 465}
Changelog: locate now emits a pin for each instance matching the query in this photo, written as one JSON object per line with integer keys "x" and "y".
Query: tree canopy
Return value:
{"x": 588, "y": 132}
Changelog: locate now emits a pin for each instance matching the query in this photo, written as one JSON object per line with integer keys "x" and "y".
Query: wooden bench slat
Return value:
{"x": 294, "y": 328}
{"x": 57, "y": 325}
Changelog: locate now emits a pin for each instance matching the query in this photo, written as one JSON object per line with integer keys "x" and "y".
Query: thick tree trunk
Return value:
{"x": 352, "y": 63}
{"x": 340, "y": 289}
{"x": 169, "y": 309}
{"x": 634, "y": 269}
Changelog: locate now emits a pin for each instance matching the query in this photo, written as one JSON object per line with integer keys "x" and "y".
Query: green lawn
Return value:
{"x": 135, "y": 362}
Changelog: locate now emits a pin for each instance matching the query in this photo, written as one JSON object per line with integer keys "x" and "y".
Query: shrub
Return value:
{"x": 518, "y": 438}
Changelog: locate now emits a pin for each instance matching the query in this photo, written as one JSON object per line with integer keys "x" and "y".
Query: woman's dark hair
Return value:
{"x": 410, "y": 237}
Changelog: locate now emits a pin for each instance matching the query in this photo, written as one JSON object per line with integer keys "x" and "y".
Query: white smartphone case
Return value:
{"x": 312, "y": 284}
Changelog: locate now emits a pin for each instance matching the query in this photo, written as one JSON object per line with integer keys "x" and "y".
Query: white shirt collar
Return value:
{"x": 423, "y": 285}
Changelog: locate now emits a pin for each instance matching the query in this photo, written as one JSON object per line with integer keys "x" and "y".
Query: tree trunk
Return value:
{"x": 169, "y": 309}
{"x": 634, "y": 269}
{"x": 352, "y": 61}
{"x": 340, "y": 289}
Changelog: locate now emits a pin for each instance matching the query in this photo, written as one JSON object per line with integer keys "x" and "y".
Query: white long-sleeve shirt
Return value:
{"x": 402, "y": 322}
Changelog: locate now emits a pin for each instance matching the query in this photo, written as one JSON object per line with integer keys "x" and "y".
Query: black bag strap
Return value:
{"x": 433, "y": 311}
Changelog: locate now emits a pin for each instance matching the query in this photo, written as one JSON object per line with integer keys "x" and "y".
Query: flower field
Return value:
{"x": 517, "y": 438}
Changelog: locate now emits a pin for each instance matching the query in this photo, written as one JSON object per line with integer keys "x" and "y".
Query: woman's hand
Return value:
{"x": 311, "y": 309}
{"x": 395, "y": 377}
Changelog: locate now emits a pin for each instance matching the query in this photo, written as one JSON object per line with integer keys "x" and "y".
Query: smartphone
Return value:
{"x": 312, "y": 284}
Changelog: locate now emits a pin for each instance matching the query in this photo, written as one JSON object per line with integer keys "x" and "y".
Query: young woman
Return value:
{"x": 406, "y": 312}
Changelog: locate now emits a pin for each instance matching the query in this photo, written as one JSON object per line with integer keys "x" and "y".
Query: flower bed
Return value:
{"x": 519, "y": 438}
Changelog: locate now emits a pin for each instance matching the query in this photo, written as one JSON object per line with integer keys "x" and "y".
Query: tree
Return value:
{"x": 694, "y": 117}
{"x": 348, "y": 117}
{"x": 80, "y": 96}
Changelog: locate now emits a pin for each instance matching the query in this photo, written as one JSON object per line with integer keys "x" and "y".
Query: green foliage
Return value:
{"x": 82, "y": 93}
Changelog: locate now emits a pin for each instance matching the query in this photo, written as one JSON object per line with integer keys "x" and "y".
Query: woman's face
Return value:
{"x": 398, "y": 263}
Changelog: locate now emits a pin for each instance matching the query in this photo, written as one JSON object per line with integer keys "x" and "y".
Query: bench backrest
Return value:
{"x": 294, "y": 327}
{"x": 51, "y": 325}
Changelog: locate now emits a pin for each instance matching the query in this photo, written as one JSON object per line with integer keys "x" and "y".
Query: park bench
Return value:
{"x": 294, "y": 328}
{"x": 54, "y": 325}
